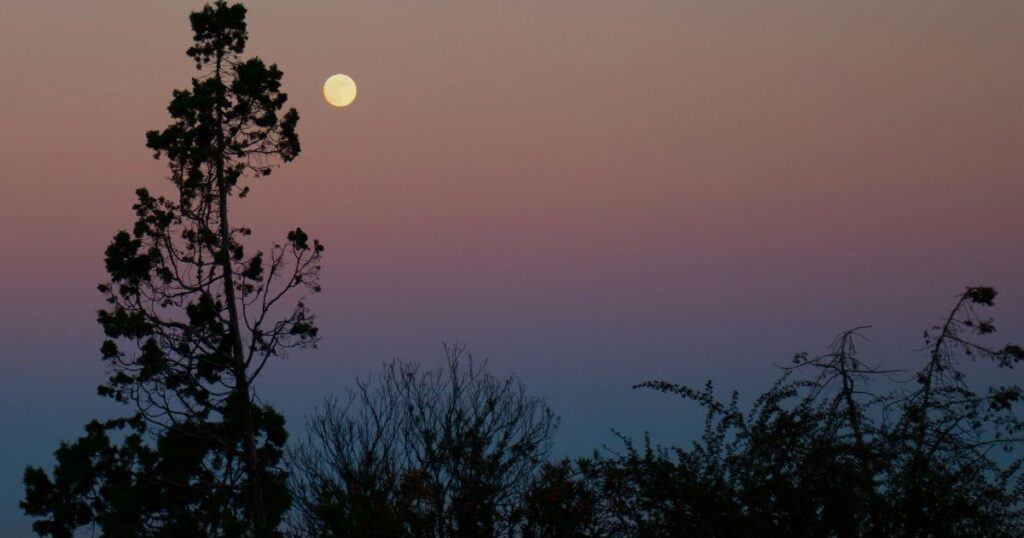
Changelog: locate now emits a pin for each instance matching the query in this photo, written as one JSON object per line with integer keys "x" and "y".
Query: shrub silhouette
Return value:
{"x": 413, "y": 452}
{"x": 824, "y": 452}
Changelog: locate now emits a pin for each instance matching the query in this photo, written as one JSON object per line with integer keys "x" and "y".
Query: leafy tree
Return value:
{"x": 564, "y": 502}
{"x": 826, "y": 451}
{"x": 192, "y": 319}
{"x": 422, "y": 453}
{"x": 947, "y": 479}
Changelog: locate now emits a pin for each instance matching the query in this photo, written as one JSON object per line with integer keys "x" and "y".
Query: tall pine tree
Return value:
{"x": 192, "y": 319}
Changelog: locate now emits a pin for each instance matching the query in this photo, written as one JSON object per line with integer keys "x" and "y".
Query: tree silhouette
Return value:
{"x": 422, "y": 453}
{"x": 826, "y": 451}
{"x": 948, "y": 434}
{"x": 192, "y": 319}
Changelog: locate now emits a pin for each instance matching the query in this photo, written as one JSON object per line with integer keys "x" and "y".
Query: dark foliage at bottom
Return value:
{"x": 822, "y": 453}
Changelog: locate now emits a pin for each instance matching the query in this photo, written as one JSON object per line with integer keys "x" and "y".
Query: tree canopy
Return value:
{"x": 834, "y": 448}
{"x": 192, "y": 319}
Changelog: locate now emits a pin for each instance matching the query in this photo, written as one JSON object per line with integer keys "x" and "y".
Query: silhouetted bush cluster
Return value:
{"x": 824, "y": 452}
{"x": 448, "y": 452}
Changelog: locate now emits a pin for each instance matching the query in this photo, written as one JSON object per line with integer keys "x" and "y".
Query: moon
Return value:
{"x": 340, "y": 90}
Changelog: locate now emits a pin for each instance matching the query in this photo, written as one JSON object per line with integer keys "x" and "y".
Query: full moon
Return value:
{"x": 340, "y": 90}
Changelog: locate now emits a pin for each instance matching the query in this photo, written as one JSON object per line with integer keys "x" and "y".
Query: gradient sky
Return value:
{"x": 592, "y": 194}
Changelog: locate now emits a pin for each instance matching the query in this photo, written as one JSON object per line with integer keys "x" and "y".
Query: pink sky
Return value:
{"x": 588, "y": 192}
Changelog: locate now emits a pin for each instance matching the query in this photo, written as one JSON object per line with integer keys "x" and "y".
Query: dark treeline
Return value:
{"x": 458, "y": 452}
{"x": 823, "y": 452}
{"x": 836, "y": 446}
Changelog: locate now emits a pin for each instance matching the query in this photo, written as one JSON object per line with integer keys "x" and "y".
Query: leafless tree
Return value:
{"x": 414, "y": 452}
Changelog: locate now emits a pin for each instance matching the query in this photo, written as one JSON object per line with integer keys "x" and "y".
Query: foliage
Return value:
{"x": 191, "y": 320}
{"x": 824, "y": 452}
{"x": 447, "y": 452}
{"x": 564, "y": 501}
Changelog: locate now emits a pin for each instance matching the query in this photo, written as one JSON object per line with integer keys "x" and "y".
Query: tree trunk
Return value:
{"x": 256, "y": 511}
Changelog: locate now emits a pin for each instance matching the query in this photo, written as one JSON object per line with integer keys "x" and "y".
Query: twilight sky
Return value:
{"x": 592, "y": 194}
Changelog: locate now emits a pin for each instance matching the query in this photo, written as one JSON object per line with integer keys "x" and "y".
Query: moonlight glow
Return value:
{"x": 340, "y": 90}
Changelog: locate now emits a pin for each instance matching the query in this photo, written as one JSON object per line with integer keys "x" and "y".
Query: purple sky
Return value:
{"x": 590, "y": 194}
